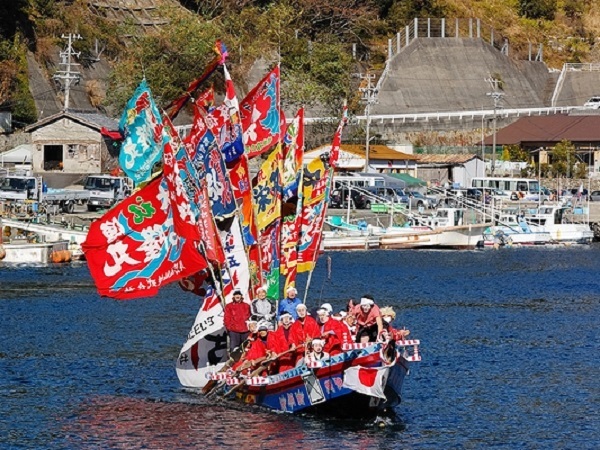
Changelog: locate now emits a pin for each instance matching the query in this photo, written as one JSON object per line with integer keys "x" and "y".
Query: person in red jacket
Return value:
{"x": 236, "y": 314}
{"x": 283, "y": 343}
{"x": 368, "y": 320}
{"x": 305, "y": 328}
{"x": 330, "y": 331}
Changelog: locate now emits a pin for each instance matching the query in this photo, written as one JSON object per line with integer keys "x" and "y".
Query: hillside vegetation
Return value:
{"x": 313, "y": 39}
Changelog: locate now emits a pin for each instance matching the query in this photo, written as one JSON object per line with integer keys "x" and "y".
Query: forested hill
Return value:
{"x": 169, "y": 42}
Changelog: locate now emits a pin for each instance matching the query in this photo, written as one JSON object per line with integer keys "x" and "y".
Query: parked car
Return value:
{"x": 339, "y": 199}
{"x": 417, "y": 200}
{"x": 595, "y": 196}
{"x": 593, "y": 102}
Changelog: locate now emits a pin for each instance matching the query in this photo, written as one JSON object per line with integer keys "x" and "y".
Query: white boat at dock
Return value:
{"x": 32, "y": 242}
{"x": 32, "y": 253}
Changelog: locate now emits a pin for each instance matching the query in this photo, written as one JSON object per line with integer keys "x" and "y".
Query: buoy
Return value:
{"x": 60, "y": 256}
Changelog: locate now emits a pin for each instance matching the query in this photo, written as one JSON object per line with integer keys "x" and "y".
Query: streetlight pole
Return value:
{"x": 496, "y": 96}
{"x": 368, "y": 97}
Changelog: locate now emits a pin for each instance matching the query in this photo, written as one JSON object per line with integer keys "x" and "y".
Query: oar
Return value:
{"x": 213, "y": 384}
{"x": 261, "y": 367}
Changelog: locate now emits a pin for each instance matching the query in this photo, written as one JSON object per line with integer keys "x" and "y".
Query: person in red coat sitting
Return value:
{"x": 330, "y": 331}
{"x": 282, "y": 338}
{"x": 305, "y": 328}
{"x": 236, "y": 314}
{"x": 264, "y": 347}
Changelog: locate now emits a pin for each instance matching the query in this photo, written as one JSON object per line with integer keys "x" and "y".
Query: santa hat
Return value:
{"x": 328, "y": 307}
{"x": 322, "y": 311}
{"x": 366, "y": 301}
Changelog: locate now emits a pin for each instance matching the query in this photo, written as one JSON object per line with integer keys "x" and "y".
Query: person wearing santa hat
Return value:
{"x": 289, "y": 303}
{"x": 331, "y": 332}
{"x": 369, "y": 324}
{"x": 304, "y": 328}
{"x": 261, "y": 308}
{"x": 282, "y": 341}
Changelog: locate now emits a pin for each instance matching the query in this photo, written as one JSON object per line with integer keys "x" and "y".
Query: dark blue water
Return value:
{"x": 510, "y": 348}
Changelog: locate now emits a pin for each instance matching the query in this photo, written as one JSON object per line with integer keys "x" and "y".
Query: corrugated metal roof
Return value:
{"x": 445, "y": 158}
{"x": 549, "y": 129}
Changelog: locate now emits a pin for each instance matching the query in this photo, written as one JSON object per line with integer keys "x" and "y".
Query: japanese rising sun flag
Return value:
{"x": 260, "y": 113}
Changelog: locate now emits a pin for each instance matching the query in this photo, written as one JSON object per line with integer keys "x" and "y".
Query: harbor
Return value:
{"x": 510, "y": 336}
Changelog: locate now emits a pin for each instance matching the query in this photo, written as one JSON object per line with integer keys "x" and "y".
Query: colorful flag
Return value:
{"x": 260, "y": 114}
{"x": 206, "y": 343}
{"x": 293, "y": 149}
{"x": 334, "y": 155}
{"x": 314, "y": 187}
{"x": 270, "y": 257}
{"x": 239, "y": 174}
{"x": 207, "y": 158}
{"x": 144, "y": 140}
{"x": 267, "y": 190}
{"x": 236, "y": 275}
{"x": 367, "y": 380}
{"x": 291, "y": 211}
{"x": 135, "y": 248}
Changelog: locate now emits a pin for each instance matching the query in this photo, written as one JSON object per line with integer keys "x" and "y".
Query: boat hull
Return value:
{"x": 322, "y": 390}
{"x": 29, "y": 253}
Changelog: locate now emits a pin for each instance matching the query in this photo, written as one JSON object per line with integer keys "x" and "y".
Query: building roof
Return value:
{"x": 92, "y": 120}
{"x": 377, "y": 151}
{"x": 549, "y": 129}
{"x": 447, "y": 159}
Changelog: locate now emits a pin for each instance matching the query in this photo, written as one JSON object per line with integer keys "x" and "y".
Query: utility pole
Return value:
{"x": 368, "y": 97}
{"x": 496, "y": 96}
{"x": 67, "y": 76}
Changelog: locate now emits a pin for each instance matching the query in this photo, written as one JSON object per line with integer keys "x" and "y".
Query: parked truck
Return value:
{"x": 26, "y": 188}
{"x": 106, "y": 190}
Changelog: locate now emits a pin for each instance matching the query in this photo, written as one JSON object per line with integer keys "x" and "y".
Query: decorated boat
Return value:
{"x": 366, "y": 379}
{"x": 204, "y": 222}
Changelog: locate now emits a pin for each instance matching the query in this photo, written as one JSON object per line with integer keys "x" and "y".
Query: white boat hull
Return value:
{"x": 29, "y": 253}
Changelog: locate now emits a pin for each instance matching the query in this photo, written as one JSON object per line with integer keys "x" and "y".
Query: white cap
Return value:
{"x": 261, "y": 288}
{"x": 328, "y": 307}
{"x": 291, "y": 289}
{"x": 318, "y": 341}
{"x": 343, "y": 314}
{"x": 366, "y": 301}
{"x": 300, "y": 306}
{"x": 285, "y": 314}
{"x": 322, "y": 311}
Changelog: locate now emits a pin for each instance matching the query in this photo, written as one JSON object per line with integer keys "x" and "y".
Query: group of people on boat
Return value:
{"x": 270, "y": 339}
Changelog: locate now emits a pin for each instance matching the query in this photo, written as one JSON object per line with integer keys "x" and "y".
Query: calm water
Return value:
{"x": 510, "y": 349}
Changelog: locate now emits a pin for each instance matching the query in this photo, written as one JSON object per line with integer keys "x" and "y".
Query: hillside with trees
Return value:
{"x": 313, "y": 40}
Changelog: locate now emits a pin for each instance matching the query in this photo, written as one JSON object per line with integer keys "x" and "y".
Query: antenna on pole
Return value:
{"x": 67, "y": 76}
{"x": 496, "y": 96}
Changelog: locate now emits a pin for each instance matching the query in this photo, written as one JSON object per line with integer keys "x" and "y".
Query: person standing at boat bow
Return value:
{"x": 289, "y": 303}
{"x": 262, "y": 308}
{"x": 235, "y": 316}
{"x": 368, "y": 320}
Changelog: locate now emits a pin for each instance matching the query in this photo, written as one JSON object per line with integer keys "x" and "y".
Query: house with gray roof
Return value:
{"x": 70, "y": 142}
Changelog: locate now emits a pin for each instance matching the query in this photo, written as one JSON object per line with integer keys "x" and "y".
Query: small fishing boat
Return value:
{"x": 35, "y": 253}
{"x": 512, "y": 229}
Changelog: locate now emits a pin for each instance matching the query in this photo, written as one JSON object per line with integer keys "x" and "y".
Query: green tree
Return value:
{"x": 563, "y": 159}
{"x": 538, "y": 9}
